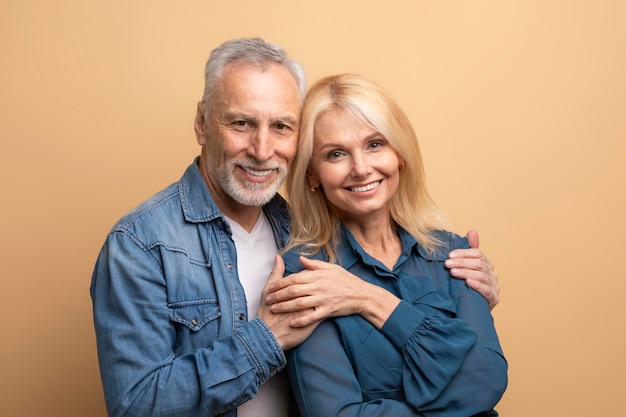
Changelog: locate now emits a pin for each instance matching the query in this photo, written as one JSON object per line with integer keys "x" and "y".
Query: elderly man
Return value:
{"x": 180, "y": 289}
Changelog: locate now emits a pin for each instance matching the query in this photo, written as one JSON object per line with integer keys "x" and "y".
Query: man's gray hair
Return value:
{"x": 253, "y": 50}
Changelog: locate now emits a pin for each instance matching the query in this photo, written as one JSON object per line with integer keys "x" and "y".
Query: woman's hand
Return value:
{"x": 330, "y": 291}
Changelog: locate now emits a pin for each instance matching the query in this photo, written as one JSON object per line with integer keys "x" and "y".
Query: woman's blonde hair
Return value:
{"x": 313, "y": 223}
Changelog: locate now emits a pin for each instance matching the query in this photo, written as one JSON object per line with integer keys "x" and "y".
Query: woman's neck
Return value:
{"x": 379, "y": 238}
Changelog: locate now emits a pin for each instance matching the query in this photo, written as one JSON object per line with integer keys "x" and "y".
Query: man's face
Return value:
{"x": 251, "y": 135}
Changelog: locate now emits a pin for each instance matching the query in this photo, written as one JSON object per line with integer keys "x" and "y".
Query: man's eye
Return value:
{"x": 284, "y": 127}
{"x": 241, "y": 123}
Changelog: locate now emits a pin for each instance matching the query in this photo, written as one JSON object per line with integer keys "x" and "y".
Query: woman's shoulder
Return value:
{"x": 448, "y": 241}
{"x": 292, "y": 258}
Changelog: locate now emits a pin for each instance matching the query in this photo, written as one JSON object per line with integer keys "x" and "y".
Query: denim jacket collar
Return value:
{"x": 196, "y": 200}
{"x": 198, "y": 205}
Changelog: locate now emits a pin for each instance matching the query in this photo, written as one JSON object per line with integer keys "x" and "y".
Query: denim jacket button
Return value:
{"x": 242, "y": 316}
{"x": 273, "y": 370}
{"x": 229, "y": 266}
{"x": 194, "y": 321}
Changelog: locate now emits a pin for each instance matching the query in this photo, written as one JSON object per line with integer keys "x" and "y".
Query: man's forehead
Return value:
{"x": 248, "y": 89}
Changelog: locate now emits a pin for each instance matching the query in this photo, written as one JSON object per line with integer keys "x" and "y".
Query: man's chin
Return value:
{"x": 255, "y": 197}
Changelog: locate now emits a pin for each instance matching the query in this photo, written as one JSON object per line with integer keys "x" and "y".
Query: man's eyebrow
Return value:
{"x": 236, "y": 116}
{"x": 285, "y": 120}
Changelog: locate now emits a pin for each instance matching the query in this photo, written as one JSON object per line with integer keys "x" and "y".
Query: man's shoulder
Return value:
{"x": 168, "y": 208}
{"x": 161, "y": 208}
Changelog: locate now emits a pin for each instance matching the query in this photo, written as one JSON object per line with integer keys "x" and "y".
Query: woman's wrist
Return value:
{"x": 378, "y": 305}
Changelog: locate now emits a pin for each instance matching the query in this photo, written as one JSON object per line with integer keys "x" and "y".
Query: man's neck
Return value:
{"x": 245, "y": 216}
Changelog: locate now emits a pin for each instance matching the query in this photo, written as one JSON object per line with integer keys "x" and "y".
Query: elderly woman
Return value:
{"x": 423, "y": 343}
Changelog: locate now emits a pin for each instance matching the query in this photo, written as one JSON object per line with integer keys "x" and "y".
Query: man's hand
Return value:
{"x": 474, "y": 267}
{"x": 280, "y": 323}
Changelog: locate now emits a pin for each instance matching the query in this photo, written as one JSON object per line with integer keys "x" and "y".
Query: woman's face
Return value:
{"x": 356, "y": 166}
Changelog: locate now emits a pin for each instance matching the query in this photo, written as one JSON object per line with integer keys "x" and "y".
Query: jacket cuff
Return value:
{"x": 262, "y": 348}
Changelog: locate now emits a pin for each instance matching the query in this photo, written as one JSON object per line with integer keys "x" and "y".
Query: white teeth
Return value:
{"x": 257, "y": 173}
{"x": 365, "y": 187}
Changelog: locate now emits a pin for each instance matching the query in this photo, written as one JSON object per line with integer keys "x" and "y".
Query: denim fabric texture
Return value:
{"x": 172, "y": 330}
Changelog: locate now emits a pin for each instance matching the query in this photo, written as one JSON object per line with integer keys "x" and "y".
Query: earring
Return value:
{"x": 313, "y": 188}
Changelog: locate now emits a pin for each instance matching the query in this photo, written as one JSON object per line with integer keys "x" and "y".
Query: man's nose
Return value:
{"x": 262, "y": 144}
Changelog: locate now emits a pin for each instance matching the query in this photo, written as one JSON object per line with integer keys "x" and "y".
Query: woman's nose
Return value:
{"x": 360, "y": 167}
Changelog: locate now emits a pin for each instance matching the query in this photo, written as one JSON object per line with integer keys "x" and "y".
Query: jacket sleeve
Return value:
{"x": 141, "y": 374}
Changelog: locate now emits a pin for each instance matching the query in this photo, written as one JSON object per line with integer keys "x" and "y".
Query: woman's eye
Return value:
{"x": 334, "y": 154}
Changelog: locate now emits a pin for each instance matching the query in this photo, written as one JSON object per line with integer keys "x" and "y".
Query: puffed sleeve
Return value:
{"x": 483, "y": 378}
{"x": 433, "y": 347}
{"x": 452, "y": 360}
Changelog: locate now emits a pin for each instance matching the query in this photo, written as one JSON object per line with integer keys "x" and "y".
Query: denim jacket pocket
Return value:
{"x": 197, "y": 321}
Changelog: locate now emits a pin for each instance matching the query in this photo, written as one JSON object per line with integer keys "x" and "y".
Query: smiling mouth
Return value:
{"x": 257, "y": 173}
{"x": 364, "y": 188}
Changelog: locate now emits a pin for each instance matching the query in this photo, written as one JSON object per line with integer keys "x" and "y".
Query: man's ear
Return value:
{"x": 199, "y": 125}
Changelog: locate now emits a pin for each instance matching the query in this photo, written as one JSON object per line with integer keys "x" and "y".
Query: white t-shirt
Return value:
{"x": 255, "y": 260}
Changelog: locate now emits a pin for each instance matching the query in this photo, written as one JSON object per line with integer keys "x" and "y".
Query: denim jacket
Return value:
{"x": 170, "y": 314}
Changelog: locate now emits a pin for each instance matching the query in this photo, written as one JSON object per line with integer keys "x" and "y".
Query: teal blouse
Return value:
{"x": 438, "y": 354}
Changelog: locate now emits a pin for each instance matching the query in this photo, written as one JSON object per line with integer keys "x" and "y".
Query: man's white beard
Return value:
{"x": 246, "y": 193}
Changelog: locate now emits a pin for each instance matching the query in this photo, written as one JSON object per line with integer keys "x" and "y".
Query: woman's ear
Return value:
{"x": 312, "y": 180}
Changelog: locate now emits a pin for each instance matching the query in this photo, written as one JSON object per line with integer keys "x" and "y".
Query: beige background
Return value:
{"x": 520, "y": 108}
